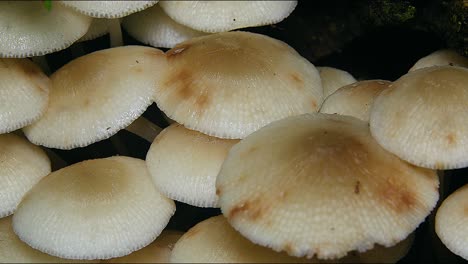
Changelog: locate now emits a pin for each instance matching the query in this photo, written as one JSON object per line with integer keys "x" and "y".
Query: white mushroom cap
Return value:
{"x": 441, "y": 58}
{"x": 108, "y": 9}
{"x": 28, "y": 29}
{"x": 333, "y": 79}
{"x": 230, "y": 84}
{"x": 152, "y": 26}
{"x": 319, "y": 184}
{"x": 22, "y": 165}
{"x": 354, "y": 99}
{"x": 452, "y": 222}
{"x": 422, "y": 117}
{"x": 96, "y": 95}
{"x": 219, "y": 16}
{"x": 99, "y": 27}
{"x": 24, "y": 93}
{"x": 95, "y": 209}
{"x": 184, "y": 164}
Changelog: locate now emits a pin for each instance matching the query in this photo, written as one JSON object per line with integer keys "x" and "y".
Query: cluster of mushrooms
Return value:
{"x": 306, "y": 163}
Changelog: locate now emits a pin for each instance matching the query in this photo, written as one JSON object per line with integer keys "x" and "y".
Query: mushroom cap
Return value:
{"x": 230, "y": 84}
{"x": 24, "y": 93}
{"x": 13, "y": 250}
{"x": 184, "y": 164}
{"x": 451, "y": 222}
{"x": 99, "y": 27}
{"x": 157, "y": 252}
{"x": 22, "y": 166}
{"x": 28, "y": 29}
{"x": 154, "y": 27}
{"x": 323, "y": 188}
{"x": 441, "y": 58}
{"x": 95, "y": 209}
{"x": 219, "y": 16}
{"x": 96, "y": 95}
{"x": 108, "y": 9}
{"x": 354, "y": 99}
{"x": 333, "y": 79}
{"x": 422, "y": 117}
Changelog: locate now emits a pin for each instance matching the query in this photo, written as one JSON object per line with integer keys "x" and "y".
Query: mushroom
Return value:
{"x": 441, "y": 58}
{"x": 24, "y": 93}
{"x": 220, "y": 16}
{"x": 152, "y": 26}
{"x": 421, "y": 117}
{"x": 22, "y": 165}
{"x": 333, "y": 79}
{"x": 96, "y": 95}
{"x": 451, "y": 223}
{"x": 354, "y": 99}
{"x": 230, "y": 84}
{"x": 184, "y": 164}
{"x": 320, "y": 185}
{"x": 95, "y": 209}
{"x": 99, "y": 27}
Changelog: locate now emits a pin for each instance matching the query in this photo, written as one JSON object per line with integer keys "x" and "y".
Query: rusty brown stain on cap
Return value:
{"x": 297, "y": 79}
{"x": 252, "y": 209}
{"x": 451, "y": 139}
{"x": 394, "y": 194}
{"x": 357, "y": 187}
{"x": 177, "y": 50}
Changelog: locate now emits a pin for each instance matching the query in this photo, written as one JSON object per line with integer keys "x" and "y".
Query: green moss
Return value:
{"x": 388, "y": 12}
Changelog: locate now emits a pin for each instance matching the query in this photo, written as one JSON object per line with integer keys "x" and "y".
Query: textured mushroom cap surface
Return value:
{"x": 184, "y": 164}
{"x": 323, "y": 188}
{"x": 96, "y": 95}
{"x": 422, "y": 117}
{"x": 157, "y": 252}
{"x": 28, "y": 29}
{"x": 95, "y": 209}
{"x": 24, "y": 93}
{"x": 333, "y": 79}
{"x": 99, "y": 27}
{"x": 452, "y": 222}
{"x": 441, "y": 58}
{"x": 354, "y": 99}
{"x": 108, "y": 9}
{"x": 22, "y": 165}
{"x": 230, "y": 84}
{"x": 219, "y": 16}
{"x": 154, "y": 27}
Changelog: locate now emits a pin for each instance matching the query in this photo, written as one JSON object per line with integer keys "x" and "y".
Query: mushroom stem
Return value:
{"x": 77, "y": 50}
{"x": 41, "y": 61}
{"x": 115, "y": 32}
{"x": 144, "y": 128}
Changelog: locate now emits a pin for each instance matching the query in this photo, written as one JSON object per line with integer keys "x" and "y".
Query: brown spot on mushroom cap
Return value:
{"x": 356, "y": 187}
{"x": 252, "y": 209}
{"x": 177, "y": 50}
{"x": 314, "y": 103}
{"x": 395, "y": 195}
{"x": 451, "y": 139}
{"x": 297, "y": 79}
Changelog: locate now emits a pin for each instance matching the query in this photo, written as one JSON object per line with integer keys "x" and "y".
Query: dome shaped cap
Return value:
{"x": 22, "y": 166}
{"x": 95, "y": 209}
{"x": 108, "y": 9}
{"x": 24, "y": 93}
{"x": 184, "y": 164}
{"x": 441, "y": 58}
{"x": 219, "y": 16}
{"x": 452, "y": 222}
{"x": 354, "y": 99}
{"x": 154, "y": 27}
{"x": 230, "y": 84}
{"x": 333, "y": 79}
{"x": 422, "y": 117}
{"x": 324, "y": 188}
{"x": 28, "y": 29}
{"x": 96, "y": 95}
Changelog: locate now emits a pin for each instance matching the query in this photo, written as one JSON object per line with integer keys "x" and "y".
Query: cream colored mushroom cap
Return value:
{"x": 28, "y": 29}
{"x": 230, "y": 84}
{"x": 354, "y": 99}
{"x": 13, "y": 250}
{"x": 96, "y": 95}
{"x": 95, "y": 209}
{"x": 24, "y": 93}
{"x": 441, "y": 58}
{"x": 108, "y": 9}
{"x": 452, "y": 222}
{"x": 333, "y": 79}
{"x": 22, "y": 166}
{"x": 219, "y": 16}
{"x": 154, "y": 27}
{"x": 99, "y": 27}
{"x": 157, "y": 252}
{"x": 184, "y": 164}
{"x": 319, "y": 184}
{"x": 422, "y": 117}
